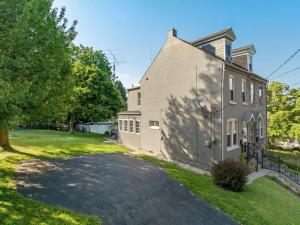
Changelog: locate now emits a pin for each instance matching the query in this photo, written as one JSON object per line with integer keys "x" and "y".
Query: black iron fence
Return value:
{"x": 277, "y": 164}
{"x": 256, "y": 156}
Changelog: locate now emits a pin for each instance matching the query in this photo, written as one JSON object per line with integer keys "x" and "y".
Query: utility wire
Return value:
{"x": 288, "y": 72}
{"x": 285, "y": 62}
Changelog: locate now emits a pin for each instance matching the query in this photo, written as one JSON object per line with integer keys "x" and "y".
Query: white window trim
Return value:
{"x": 233, "y": 87}
{"x": 244, "y": 85}
{"x": 127, "y": 130}
{"x": 252, "y": 90}
{"x": 154, "y": 127}
{"x": 230, "y": 57}
{"x": 260, "y": 125}
{"x": 121, "y": 121}
{"x": 236, "y": 146}
{"x": 139, "y": 127}
{"x": 133, "y": 127}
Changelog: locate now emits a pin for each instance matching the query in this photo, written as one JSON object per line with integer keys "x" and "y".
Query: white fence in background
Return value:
{"x": 99, "y": 128}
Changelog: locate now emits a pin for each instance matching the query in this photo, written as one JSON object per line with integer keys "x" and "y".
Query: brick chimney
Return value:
{"x": 172, "y": 33}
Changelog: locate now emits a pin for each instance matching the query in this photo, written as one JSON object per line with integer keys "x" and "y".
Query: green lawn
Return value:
{"x": 16, "y": 209}
{"x": 263, "y": 203}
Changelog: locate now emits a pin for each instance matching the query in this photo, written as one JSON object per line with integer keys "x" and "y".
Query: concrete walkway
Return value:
{"x": 119, "y": 188}
{"x": 261, "y": 173}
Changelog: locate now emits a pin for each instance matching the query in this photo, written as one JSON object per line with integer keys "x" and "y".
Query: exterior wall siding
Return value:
{"x": 132, "y": 102}
{"x": 216, "y": 47}
{"x": 238, "y": 110}
{"x": 180, "y": 75}
{"x": 126, "y": 138}
{"x": 178, "y": 78}
{"x": 241, "y": 60}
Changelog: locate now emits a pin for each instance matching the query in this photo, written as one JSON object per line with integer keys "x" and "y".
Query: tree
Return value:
{"x": 295, "y": 125}
{"x": 122, "y": 91}
{"x": 34, "y": 62}
{"x": 283, "y": 112}
{"x": 95, "y": 97}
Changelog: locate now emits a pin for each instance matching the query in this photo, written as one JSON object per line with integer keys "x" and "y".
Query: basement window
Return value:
{"x": 154, "y": 124}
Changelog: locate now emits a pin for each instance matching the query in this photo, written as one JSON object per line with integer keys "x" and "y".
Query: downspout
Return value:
{"x": 222, "y": 112}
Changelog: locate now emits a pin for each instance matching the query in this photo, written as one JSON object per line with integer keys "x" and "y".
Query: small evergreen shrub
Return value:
{"x": 230, "y": 174}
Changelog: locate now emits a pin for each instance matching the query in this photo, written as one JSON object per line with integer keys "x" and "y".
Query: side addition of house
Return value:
{"x": 198, "y": 102}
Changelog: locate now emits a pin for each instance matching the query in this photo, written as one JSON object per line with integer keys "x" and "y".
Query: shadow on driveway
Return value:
{"x": 121, "y": 189}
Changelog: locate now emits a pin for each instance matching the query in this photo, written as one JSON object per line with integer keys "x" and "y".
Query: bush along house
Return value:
{"x": 199, "y": 102}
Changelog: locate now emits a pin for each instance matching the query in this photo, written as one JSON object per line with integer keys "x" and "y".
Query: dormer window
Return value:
{"x": 250, "y": 67}
{"x": 228, "y": 51}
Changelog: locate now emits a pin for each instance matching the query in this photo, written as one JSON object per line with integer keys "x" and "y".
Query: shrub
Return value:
{"x": 230, "y": 174}
{"x": 274, "y": 178}
{"x": 285, "y": 185}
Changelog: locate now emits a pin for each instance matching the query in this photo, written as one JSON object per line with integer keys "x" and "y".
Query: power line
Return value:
{"x": 285, "y": 62}
{"x": 288, "y": 72}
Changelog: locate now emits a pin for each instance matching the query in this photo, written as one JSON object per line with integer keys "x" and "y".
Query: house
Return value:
{"x": 198, "y": 102}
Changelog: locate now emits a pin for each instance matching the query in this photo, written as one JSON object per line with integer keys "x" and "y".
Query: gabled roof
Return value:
{"x": 247, "y": 48}
{"x": 227, "y": 32}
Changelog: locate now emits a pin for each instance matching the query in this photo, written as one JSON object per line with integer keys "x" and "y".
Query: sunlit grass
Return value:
{"x": 263, "y": 203}
{"x": 16, "y": 209}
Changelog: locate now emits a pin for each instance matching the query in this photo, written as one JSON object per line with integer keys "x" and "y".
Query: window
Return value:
{"x": 252, "y": 92}
{"x": 232, "y": 89}
{"x": 228, "y": 51}
{"x": 232, "y": 134}
{"x": 243, "y": 90}
{"x": 250, "y": 63}
{"x": 229, "y": 129}
{"x": 260, "y": 94}
{"x": 125, "y": 125}
{"x": 153, "y": 124}
{"x": 131, "y": 126}
{"x": 260, "y": 128}
{"x": 137, "y": 126}
{"x": 138, "y": 98}
{"x": 120, "y": 125}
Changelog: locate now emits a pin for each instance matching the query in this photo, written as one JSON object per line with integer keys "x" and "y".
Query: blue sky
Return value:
{"x": 135, "y": 30}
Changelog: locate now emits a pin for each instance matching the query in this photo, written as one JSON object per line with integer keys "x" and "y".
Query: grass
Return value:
{"x": 285, "y": 153}
{"x": 16, "y": 209}
{"x": 262, "y": 203}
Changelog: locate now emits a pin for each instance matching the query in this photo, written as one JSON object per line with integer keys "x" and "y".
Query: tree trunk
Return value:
{"x": 71, "y": 124}
{"x": 4, "y": 140}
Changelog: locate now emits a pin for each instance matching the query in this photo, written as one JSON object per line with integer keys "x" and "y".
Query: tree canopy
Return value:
{"x": 283, "y": 112}
{"x": 95, "y": 97}
{"x": 34, "y": 60}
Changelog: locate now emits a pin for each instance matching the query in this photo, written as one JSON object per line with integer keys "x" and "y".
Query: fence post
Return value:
{"x": 279, "y": 164}
{"x": 256, "y": 161}
{"x": 262, "y": 159}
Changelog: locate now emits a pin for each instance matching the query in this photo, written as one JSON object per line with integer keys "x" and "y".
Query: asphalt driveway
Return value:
{"x": 121, "y": 189}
